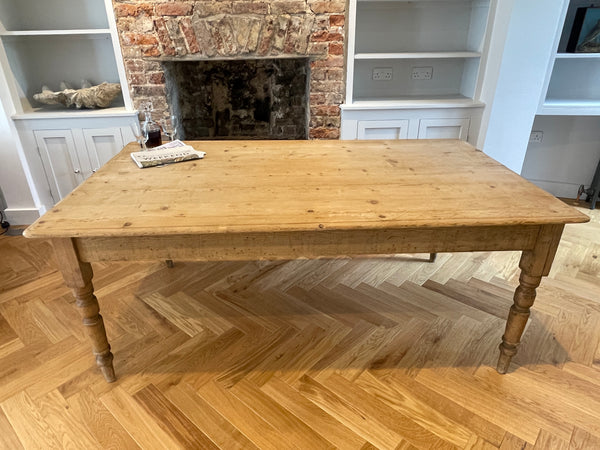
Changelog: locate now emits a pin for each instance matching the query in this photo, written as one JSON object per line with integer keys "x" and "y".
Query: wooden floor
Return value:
{"x": 348, "y": 353}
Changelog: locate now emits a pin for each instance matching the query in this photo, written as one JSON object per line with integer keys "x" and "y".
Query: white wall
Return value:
{"x": 566, "y": 157}
{"x": 529, "y": 45}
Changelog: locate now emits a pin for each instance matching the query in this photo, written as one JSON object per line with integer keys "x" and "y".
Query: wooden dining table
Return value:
{"x": 264, "y": 200}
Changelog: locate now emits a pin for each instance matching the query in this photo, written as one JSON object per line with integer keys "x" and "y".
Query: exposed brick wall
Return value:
{"x": 237, "y": 29}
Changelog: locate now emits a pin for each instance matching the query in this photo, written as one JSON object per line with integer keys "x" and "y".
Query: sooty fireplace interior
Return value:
{"x": 239, "y": 99}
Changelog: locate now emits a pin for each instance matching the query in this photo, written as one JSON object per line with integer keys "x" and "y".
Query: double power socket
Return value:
{"x": 417, "y": 73}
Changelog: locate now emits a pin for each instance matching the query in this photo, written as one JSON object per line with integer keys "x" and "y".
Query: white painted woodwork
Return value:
{"x": 567, "y": 114}
{"x": 420, "y": 26}
{"x": 451, "y": 37}
{"x": 59, "y": 40}
{"x": 575, "y": 79}
{"x": 95, "y": 139}
{"x": 44, "y": 43}
{"x": 48, "y": 60}
{"x": 92, "y": 31}
{"x": 415, "y": 102}
{"x": 444, "y": 128}
{"x": 427, "y": 33}
{"x": 424, "y": 123}
{"x": 70, "y": 156}
{"x": 62, "y": 164}
{"x": 52, "y": 14}
{"x": 14, "y": 176}
{"x": 448, "y": 76}
{"x": 417, "y": 55}
{"x": 383, "y": 129}
{"x": 101, "y": 145}
{"x": 523, "y": 79}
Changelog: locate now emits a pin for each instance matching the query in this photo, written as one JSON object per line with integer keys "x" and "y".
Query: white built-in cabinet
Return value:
{"x": 568, "y": 116}
{"x": 48, "y": 42}
{"x": 431, "y": 52}
{"x": 60, "y": 160}
{"x": 69, "y": 156}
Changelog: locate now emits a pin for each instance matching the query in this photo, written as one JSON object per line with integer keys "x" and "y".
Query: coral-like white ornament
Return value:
{"x": 100, "y": 96}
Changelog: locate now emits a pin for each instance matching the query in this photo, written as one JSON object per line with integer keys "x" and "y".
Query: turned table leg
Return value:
{"x": 78, "y": 276}
{"x": 517, "y": 319}
{"x": 534, "y": 265}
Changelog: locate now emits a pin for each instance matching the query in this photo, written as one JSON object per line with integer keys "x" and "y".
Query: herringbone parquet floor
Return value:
{"x": 358, "y": 353}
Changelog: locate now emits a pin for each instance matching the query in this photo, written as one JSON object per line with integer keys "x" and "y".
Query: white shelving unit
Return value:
{"x": 46, "y": 43}
{"x": 568, "y": 115}
{"x": 571, "y": 86}
{"x": 448, "y": 37}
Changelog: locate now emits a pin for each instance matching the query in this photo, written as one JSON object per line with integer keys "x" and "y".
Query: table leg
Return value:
{"x": 78, "y": 276}
{"x": 534, "y": 265}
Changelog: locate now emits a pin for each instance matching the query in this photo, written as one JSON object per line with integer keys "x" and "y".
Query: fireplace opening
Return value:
{"x": 239, "y": 99}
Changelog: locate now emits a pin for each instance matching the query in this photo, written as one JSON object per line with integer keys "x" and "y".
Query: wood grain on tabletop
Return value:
{"x": 267, "y": 186}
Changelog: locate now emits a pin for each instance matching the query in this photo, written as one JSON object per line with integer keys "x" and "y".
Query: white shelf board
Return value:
{"x": 569, "y": 107}
{"x": 578, "y": 56}
{"x": 93, "y": 31}
{"x": 414, "y": 102}
{"x": 41, "y": 113}
{"x": 413, "y": 1}
{"x": 417, "y": 55}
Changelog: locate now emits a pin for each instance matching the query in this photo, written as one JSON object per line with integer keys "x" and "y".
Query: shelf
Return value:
{"x": 435, "y": 27}
{"x": 33, "y": 15}
{"x": 420, "y": 2}
{"x": 414, "y": 102}
{"x": 573, "y": 84}
{"x": 50, "y": 113}
{"x": 99, "y": 31}
{"x": 578, "y": 56}
{"x": 569, "y": 107}
{"x": 48, "y": 60}
{"x": 415, "y": 1}
{"x": 418, "y": 55}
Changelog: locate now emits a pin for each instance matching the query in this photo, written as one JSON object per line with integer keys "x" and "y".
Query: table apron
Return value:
{"x": 308, "y": 244}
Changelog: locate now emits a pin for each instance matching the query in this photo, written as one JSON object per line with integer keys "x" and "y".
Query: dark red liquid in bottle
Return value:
{"x": 154, "y": 139}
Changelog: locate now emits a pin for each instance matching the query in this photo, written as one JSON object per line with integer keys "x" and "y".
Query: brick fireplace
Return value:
{"x": 155, "y": 34}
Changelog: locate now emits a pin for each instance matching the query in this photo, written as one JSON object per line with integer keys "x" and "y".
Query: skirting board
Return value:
{"x": 24, "y": 216}
{"x": 557, "y": 188}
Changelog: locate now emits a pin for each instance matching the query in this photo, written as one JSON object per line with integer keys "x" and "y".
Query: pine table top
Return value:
{"x": 273, "y": 186}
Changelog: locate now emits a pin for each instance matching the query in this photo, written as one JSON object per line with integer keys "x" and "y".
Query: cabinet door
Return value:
{"x": 102, "y": 144}
{"x": 383, "y": 129}
{"x": 444, "y": 128}
{"x": 61, "y": 162}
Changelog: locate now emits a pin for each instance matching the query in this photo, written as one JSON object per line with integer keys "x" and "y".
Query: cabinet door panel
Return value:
{"x": 444, "y": 129}
{"x": 383, "y": 129}
{"x": 60, "y": 160}
{"x": 102, "y": 144}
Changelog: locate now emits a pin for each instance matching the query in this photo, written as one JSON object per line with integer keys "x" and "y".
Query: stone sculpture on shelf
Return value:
{"x": 100, "y": 96}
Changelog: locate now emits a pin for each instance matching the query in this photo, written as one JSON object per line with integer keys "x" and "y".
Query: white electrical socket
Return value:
{"x": 382, "y": 74}
{"x": 421, "y": 73}
{"x": 536, "y": 137}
